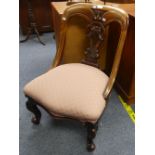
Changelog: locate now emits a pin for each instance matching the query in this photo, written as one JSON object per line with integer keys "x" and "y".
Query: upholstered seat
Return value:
{"x": 73, "y": 90}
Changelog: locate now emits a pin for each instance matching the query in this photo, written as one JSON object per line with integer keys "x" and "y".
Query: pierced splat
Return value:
{"x": 95, "y": 35}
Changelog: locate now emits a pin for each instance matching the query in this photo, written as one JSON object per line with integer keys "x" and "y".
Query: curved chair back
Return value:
{"x": 84, "y": 33}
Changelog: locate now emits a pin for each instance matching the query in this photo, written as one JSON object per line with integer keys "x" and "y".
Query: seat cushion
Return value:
{"x": 72, "y": 90}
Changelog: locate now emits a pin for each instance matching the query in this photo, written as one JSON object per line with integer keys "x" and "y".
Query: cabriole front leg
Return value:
{"x": 31, "y": 106}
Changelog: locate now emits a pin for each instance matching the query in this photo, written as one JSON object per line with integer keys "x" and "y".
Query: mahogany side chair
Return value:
{"x": 79, "y": 90}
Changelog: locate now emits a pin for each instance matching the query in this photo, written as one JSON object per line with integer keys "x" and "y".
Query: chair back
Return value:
{"x": 84, "y": 34}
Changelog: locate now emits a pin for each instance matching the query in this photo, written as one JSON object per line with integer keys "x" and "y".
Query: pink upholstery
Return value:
{"x": 71, "y": 90}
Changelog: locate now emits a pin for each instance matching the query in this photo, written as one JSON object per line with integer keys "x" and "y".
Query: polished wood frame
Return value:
{"x": 70, "y": 2}
{"x": 91, "y": 13}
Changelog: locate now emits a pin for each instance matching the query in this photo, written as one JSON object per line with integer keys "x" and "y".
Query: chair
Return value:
{"x": 79, "y": 90}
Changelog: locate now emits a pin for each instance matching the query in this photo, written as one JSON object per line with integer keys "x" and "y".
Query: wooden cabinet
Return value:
{"x": 125, "y": 82}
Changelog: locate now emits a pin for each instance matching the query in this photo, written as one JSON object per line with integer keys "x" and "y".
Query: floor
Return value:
{"x": 116, "y": 134}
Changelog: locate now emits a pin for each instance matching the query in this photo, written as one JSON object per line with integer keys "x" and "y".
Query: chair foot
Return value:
{"x": 91, "y": 133}
{"x": 35, "y": 120}
{"x": 31, "y": 106}
{"x": 91, "y": 146}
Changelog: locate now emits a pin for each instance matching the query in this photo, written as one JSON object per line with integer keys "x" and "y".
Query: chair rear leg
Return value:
{"x": 31, "y": 106}
{"x": 91, "y": 133}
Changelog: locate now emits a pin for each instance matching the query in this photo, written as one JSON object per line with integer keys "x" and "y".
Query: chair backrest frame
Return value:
{"x": 99, "y": 16}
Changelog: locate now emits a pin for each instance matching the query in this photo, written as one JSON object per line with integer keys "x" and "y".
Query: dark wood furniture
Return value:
{"x": 42, "y": 14}
{"x": 125, "y": 83}
{"x": 32, "y": 26}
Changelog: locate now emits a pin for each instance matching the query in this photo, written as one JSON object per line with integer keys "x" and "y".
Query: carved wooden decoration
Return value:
{"x": 95, "y": 35}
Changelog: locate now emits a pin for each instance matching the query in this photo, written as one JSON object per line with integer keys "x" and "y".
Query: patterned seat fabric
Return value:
{"x": 71, "y": 90}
